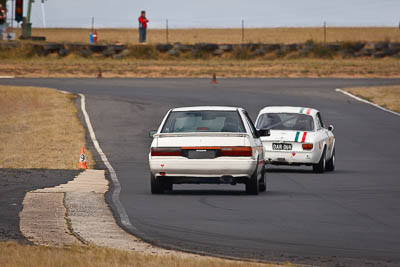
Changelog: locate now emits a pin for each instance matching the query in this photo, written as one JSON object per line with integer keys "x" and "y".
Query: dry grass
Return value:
{"x": 15, "y": 255}
{"x": 263, "y": 35}
{"x": 39, "y": 128}
{"x": 307, "y": 67}
{"x": 385, "y": 96}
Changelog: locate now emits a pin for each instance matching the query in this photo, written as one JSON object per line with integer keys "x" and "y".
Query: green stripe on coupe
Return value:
{"x": 301, "y": 110}
{"x": 297, "y": 136}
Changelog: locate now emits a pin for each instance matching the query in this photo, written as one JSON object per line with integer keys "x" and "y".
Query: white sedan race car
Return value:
{"x": 210, "y": 145}
{"x": 298, "y": 137}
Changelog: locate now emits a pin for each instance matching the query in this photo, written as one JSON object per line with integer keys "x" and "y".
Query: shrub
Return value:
{"x": 241, "y": 53}
{"x": 200, "y": 54}
{"x": 23, "y": 51}
{"x": 322, "y": 51}
{"x": 143, "y": 52}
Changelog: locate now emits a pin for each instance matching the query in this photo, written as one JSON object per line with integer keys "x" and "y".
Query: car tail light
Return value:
{"x": 166, "y": 151}
{"x": 307, "y": 146}
{"x": 244, "y": 151}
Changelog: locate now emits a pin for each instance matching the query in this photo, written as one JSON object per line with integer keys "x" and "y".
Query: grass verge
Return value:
{"x": 385, "y": 96}
{"x": 13, "y": 255}
{"x": 39, "y": 128}
{"x": 149, "y": 68}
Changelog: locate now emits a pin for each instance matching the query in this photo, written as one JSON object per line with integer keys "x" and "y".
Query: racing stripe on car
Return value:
{"x": 301, "y": 110}
{"x": 308, "y": 111}
{"x": 297, "y": 136}
{"x": 304, "y": 137}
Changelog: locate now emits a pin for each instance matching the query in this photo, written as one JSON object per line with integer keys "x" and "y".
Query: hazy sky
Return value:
{"x": 217, "y": 13}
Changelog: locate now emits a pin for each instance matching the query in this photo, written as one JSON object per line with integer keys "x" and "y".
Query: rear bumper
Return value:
{"x": 202, "y": 168}
{"x": 292, "y": 157}
{"x": 204, "y": 180}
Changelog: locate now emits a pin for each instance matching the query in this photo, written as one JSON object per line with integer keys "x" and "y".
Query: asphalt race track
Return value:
{"x": 353, "y": 212}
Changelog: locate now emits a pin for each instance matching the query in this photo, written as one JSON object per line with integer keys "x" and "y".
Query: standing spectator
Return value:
{"x": 3, "y": 17}
{"x": 142, "y": 27}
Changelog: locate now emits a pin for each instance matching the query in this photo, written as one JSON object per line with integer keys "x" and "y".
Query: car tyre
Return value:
{"x": 157, "y": 185}
{"x": 321, "y": 165}
{"x": 263, "y": 181}
{"x": 330, "y": 164}
{"x": 252, "y": 185}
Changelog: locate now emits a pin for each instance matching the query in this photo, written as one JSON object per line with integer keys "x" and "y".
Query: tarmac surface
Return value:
{"x": 350, "y": 213}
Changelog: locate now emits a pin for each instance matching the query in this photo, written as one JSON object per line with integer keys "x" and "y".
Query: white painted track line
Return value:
{"x": 366, "y": 101}
{"x": 117, "y": 186}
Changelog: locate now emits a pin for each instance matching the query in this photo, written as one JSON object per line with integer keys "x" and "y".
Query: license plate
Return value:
{"x": 281, "y": 146}
{"x": 201, "y": 154}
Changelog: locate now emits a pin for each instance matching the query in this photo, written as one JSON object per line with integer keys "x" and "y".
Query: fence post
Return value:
{"x": 324, "y": 32}
{"x": 242, "y": 30}
{"x": 166, "y": 31}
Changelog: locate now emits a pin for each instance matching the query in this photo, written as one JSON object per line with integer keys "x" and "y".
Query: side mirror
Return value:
{"x": 263, "y": 132}
{"x": 330, "y": 128}
{"x": 152, "y": 133}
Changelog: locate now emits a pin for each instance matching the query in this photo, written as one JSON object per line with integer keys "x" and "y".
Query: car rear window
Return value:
{"x": 203, "y": 121}
{"x": 285, "y": 121}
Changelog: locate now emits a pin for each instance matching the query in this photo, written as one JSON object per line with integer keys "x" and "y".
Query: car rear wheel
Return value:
{"x": 157, "y": 185}
{"x": 252, "y": 185}
{"x": 330, "y": 164}
{"x": 321, "y": 165}
{"x": 262, "y": 186}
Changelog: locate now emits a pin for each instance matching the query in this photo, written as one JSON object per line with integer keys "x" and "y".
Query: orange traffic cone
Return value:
{"x": 214, "y": 79}
{"x": 82, "y": 160}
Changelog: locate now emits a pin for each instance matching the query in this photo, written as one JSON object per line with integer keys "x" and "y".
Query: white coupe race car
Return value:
{"x": 210, "y": 145}
{"x": 298, "y": 137}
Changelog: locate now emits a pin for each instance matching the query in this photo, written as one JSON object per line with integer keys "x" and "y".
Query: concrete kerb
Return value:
{"x": 44, "y": 217}
{"x": 42, "y": 220}
{"x": 76, "y": 213}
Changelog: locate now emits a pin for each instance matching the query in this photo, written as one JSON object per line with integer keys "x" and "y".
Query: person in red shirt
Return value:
{"x": 142, "y": 27}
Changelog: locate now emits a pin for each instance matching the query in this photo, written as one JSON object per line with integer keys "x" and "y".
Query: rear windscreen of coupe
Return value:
{"x": 285, "y": 121}
{"x": 203, "y": 121}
